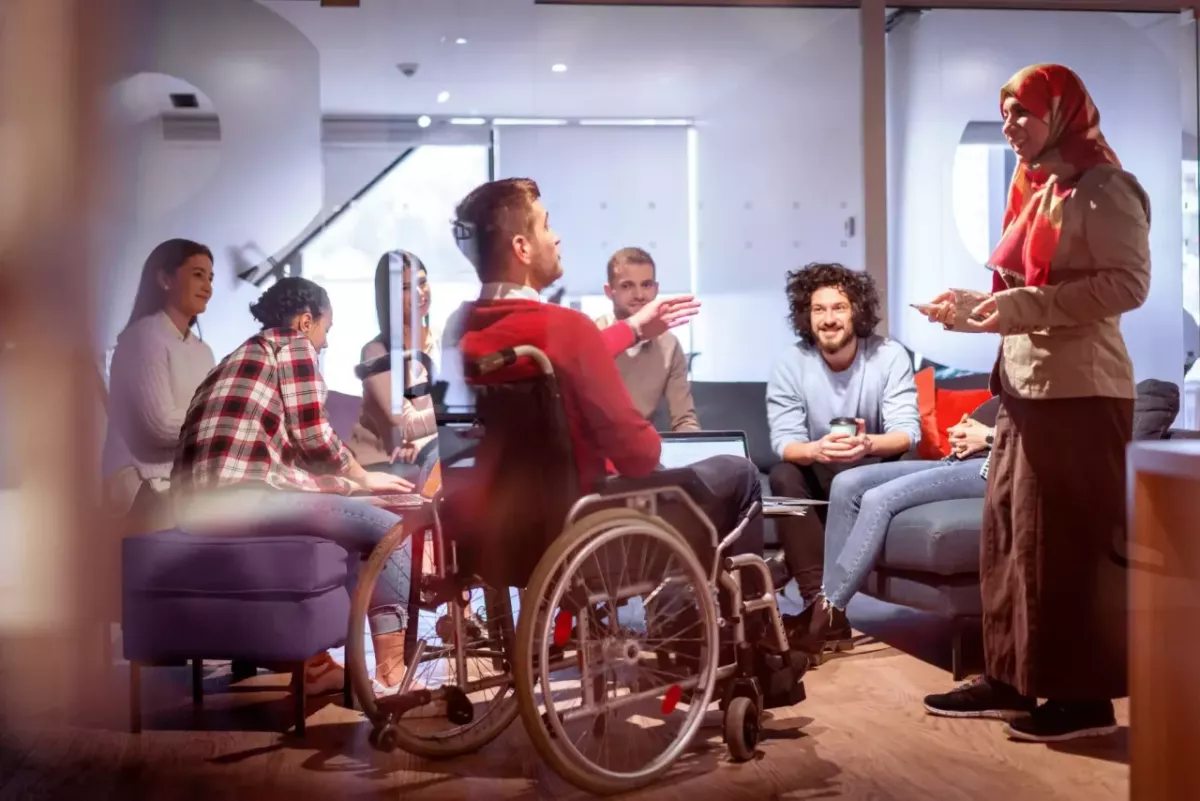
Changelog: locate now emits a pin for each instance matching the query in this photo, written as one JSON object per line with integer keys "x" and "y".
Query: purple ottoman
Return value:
{"x": 271, "y": 601}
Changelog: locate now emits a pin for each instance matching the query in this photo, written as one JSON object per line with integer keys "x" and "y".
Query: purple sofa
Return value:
{"x": 269, "y": 601}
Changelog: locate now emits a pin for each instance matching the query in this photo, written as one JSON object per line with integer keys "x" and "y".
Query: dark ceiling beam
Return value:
{"x": 1155, "y": 6}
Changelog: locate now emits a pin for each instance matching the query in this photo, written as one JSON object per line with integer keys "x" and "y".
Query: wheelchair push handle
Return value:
{"x": 508, "y": 356}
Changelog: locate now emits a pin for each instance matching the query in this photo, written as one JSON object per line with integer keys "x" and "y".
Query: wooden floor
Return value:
{"x": 861, "y": 734}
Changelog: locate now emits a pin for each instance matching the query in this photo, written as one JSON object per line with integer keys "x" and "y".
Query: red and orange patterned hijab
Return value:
{"x": 1033, "y": 219}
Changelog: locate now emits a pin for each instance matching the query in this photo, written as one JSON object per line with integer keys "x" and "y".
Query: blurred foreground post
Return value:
{"x": 54, "y": 56}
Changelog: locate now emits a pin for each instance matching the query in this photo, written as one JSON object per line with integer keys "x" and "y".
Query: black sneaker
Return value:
{"x": 980, "y": 698}
{"x": 1054, "y": 722}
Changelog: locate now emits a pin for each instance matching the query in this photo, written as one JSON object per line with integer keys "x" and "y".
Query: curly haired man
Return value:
{"x": 839, "y": 370}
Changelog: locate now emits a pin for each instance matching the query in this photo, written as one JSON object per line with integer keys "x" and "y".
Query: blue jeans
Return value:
{"x": 350, "y": 522}
{"x": 862, "y": 503}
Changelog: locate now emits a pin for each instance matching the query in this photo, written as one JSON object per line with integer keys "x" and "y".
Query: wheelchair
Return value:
{"x": 625, "y": 629}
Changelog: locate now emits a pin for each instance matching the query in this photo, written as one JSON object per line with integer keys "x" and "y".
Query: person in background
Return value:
{"x": 257, "y": 456}
{"x": 653, "y": 369}
{"x": 158, "y": 363}
{"x": 403, "y": 442}
{"x": 863, "y": 501}
{"x": 1074, "y": 256}
{"x": 839, "y": 370}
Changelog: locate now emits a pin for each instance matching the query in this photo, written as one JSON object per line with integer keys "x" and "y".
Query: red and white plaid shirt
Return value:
{"x": 260, "y": 417}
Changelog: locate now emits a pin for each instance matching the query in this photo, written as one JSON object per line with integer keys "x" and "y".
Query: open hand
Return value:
{"x": 941, "y": 309}
{"x": 379, "y": 483}
{"x": 659, "y": 315}
{"x": 405, "y": 454}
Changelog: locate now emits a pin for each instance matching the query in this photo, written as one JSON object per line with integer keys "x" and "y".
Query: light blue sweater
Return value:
{"x": 803, "y": 394}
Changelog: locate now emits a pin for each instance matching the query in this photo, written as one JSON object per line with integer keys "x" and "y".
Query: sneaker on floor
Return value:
{"x": 323, "y": 676}
{"x": 980, "y": 698}
{"x": 1054, "y": 722}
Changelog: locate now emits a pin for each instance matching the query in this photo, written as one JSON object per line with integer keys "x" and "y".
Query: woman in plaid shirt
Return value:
{"x": 257, "y": 455}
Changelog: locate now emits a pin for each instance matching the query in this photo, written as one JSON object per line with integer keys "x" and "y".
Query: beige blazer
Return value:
{"x": 1064, "y": 340}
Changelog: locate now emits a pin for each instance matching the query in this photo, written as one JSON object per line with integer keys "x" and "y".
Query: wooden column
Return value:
{"x": 1164, "y": 651}
{"x": 51, "y": 143}
{"x": 872, "y": 23}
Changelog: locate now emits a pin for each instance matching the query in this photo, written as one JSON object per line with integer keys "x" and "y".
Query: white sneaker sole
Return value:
{"x": 1098, "y": 731}
{"x": 990, "y": 714}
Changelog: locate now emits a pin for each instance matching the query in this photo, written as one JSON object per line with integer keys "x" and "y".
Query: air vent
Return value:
{"x": 184, "y": 100}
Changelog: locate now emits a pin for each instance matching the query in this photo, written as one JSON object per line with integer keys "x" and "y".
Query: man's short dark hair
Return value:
{"x": 629, "y": 256}
{"x": 494, "y": 213}
{"x": 857, "y": 286}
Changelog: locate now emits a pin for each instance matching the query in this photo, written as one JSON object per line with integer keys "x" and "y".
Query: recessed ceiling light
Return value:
{"x": 559, "y": 68}
{"x": 460, "y": 40}
{"x": 424, "y": 121}
{"x": 443, "y": 96}
{"x": 467, "y": 121}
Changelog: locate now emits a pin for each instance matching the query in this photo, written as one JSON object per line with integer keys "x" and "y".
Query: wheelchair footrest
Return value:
{"x": 781, "y": 677}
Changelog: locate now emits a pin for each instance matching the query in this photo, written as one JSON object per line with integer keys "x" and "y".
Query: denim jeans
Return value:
{"x": 350, "y": 522}
{"x": 862, "y": 503}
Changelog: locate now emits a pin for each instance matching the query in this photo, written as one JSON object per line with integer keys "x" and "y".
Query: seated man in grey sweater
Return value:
{"x": 839, "y": 378}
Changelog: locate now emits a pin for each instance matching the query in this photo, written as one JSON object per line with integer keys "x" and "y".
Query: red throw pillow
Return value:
{"x": 939, "y": 409}
{"x": 931, "y": 436}
{"x": 952, "y": 404}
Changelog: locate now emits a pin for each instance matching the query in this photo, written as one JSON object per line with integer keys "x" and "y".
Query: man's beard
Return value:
{"x": 845, "y": 335}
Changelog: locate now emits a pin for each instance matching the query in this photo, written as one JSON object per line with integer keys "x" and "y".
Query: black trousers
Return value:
{"x": 733, "y": 486}
{"x": 803, "y": 537}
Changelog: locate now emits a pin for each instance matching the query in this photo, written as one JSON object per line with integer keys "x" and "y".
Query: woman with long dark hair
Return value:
{"x": 404, "y": 441}
{"x": 157, "y": 365}
{"x": 1074, "y": 257}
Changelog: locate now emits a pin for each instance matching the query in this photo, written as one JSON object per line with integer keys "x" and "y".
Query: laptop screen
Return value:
{"x": 683, "y": 449}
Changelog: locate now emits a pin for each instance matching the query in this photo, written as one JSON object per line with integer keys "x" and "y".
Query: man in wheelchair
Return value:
{"x": 608, "y": 447}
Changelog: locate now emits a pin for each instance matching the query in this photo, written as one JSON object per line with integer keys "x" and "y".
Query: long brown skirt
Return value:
{"x": 1054, "y": 590}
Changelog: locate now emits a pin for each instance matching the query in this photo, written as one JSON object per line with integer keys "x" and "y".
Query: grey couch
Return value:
{"x": 930, "y": 560}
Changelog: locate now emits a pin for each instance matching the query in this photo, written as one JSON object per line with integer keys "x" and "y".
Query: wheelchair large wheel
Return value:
{"x": 614, "y": 720}
{"x": 466, "y": 697}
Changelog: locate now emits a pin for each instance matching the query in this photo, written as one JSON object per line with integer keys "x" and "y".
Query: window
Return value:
{"x": 410, "y": 208}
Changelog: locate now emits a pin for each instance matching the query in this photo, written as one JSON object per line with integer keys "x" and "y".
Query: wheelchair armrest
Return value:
{"x": 681, "y": 477}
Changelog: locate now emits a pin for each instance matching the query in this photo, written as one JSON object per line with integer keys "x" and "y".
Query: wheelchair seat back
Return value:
{"x": 521, "y": 486}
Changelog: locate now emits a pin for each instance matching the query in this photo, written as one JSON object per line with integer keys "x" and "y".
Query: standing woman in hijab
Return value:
{"x": 1074, "y": 256}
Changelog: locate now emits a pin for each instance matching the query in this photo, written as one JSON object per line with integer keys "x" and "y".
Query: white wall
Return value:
{"x": 945, "y": 69}
{"x": 262, "y": 186}
{"x": 607, "y": 187}
{"x": 779, "y": 171}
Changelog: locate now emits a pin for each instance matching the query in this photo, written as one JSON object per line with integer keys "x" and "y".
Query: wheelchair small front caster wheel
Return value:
{"x": 384, "y": 739}
{"x": 741, "y": 729}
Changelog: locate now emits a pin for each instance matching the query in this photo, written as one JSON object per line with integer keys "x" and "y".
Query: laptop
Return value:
{"x": 683, "y": 448}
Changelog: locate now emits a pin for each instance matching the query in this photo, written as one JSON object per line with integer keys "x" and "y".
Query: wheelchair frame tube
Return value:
{"x": 650, "y": 495}
{"x": 749, "y": 561}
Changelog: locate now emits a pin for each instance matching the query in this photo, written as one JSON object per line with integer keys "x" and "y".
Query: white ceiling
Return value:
{"x": 621, "y": 62}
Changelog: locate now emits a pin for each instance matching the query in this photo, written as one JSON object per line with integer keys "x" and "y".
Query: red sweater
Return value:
{"x": 604, "y": 425}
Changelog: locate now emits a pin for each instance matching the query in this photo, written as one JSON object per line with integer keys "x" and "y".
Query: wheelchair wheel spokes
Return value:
{"x": 459, "y": 658}
{"x": 617, "y": 719}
